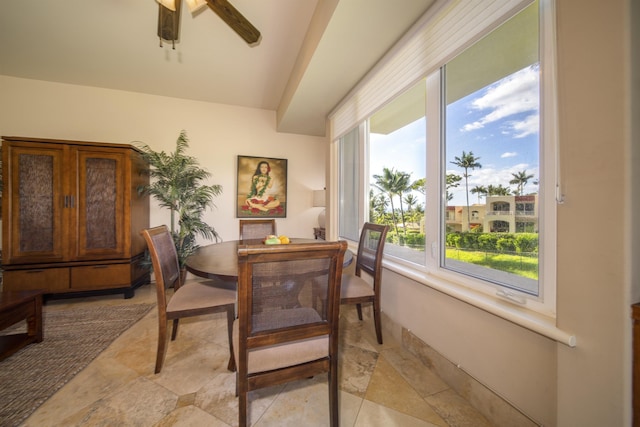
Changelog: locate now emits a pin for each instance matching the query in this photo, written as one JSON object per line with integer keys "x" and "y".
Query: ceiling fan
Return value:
{"x": 169, "y": 19}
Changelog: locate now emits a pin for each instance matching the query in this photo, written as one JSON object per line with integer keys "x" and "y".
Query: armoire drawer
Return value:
{"x": 101, "y": 276}
{"x": 49, "y": 279}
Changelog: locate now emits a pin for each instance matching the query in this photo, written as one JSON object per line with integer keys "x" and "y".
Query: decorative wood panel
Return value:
{"x": 33, "y": 224}
{"x": 101, "y": 203}
{"x": 101, "y": 199}
{"x": 35, "y": 189}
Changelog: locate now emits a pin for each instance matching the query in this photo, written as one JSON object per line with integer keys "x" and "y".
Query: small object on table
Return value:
{"x": 16, "y": 306}
{"x": 272, "y": 240}
{"x": 319, "y": 233}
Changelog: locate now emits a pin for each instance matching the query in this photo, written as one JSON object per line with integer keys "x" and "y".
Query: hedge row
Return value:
{"x": 499, "y": 242}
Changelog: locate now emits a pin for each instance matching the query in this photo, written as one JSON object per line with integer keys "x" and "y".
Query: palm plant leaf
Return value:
{"x": 177, "y": 184}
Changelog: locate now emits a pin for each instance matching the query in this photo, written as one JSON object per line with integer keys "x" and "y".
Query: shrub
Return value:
{"x": 506, "y": 243}
{"x": 526, "y": 242}
{"x": 488, "y": 241}
{"x": 494, "y": 242}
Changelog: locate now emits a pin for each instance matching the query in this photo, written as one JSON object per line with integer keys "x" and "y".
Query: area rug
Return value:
{"x": 72, "y": 339}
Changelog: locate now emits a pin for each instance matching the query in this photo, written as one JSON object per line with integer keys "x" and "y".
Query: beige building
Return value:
{"x": 499, "y": 214}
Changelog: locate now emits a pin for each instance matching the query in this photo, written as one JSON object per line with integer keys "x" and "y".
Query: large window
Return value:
{"x": 491, "y": 144}
{"x": 397, "y": 171}
{"x": 348, "y": 207}
{"x": 454, "y": 165}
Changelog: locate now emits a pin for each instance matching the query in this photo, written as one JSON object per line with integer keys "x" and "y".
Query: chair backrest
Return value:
{"x": 370, "y": 250}
{"x": 257, "y": 228}
{"x": 288, "y": 293}
{"x": 164, "y": 259}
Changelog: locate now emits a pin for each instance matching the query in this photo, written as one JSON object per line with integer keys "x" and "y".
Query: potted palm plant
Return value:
{"x": 177, "y": 184}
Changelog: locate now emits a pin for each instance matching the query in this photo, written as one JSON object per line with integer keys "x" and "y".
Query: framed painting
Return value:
{"x": 261, "y": 187}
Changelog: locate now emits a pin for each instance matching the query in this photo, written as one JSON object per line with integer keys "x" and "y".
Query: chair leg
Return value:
{"x": 162, "y": 346}
{"x": 377, "y": 322}
{"x": 359, "y": 308}
{"x": 174, "y": 332}
{"x": 333, "y": 396}
{"x": 230, "y": 318}
{"x": 242, "y": 409}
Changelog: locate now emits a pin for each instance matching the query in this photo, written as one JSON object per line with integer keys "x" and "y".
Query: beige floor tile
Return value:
{"x": 141, "y": 403}
{"x": 421, "y": 378}
{"x": 380, "y": 385}
{"x": 355, "y": 368}
{"x": 97, "y": 381}
{"x": 190, "y": 416}
{"x": 189, "y": 366}
{"x": 218, "y": 397}
{"x": 456, "y": 411}
{"x": 374, "y": 415}
{"x": 306, "y": 403}
{"x": 388, "y": 388}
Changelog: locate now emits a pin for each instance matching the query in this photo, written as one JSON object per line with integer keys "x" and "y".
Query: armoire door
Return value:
{"x": 100, "y": 204}
{"x": 38, "y": 221}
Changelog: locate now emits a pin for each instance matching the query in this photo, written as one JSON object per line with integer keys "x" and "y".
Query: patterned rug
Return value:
{"x": 72, "y": 339}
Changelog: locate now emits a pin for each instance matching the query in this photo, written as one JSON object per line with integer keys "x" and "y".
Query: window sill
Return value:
{"x": 536, "y": 322}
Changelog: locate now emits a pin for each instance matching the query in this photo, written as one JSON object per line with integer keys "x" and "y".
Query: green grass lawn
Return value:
{"x": 525, "y": 266}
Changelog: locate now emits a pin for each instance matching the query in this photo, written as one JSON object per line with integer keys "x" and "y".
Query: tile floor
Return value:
{"x": 380, "y": 385}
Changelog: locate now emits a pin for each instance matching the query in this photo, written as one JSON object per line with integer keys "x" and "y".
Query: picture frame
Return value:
{"x": 261, "y": 187}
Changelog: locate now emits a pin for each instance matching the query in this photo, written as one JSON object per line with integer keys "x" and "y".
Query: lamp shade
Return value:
{"x": 319, "y": 197}
{"x": 169, "y": 4}
{"x": 196, "y": 5}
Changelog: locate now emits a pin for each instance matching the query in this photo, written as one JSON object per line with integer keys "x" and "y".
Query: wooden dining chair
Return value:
{"x": 355, "y": 289}
{"x": 257, "y": 228}
{"x": 192, "y": 298}
{"x": 277, "y": 342}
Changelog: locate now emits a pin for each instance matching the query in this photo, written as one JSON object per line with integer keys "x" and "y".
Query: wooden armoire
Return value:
{"x": 72, "y": 215}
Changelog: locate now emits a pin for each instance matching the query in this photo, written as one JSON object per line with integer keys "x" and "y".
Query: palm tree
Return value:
{"x": 419, "y": 185}
{"x": 498, "y": 190}
{"x": 520, "y": 179}
{"x": 480, "y": 190}
{"x": 377, "y": 207}
{"x": 393, "y": 183}
{"x": 467, "y": 161}
{"x": 453, "y": 180}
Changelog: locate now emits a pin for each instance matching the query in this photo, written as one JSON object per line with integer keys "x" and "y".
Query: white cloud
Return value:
{"x": 526, "y": 127}
{"x": 517, "y": 93}
{"x": 508, "y": 154}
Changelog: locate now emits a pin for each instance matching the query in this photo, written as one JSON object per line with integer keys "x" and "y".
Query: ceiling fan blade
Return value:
{"x": 235, "y": 20}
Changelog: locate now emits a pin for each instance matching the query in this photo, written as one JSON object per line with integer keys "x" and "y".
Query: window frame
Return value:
{"x": 472, "y": 290}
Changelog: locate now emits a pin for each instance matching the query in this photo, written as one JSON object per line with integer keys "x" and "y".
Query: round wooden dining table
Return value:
{"x": 220, "y": 260}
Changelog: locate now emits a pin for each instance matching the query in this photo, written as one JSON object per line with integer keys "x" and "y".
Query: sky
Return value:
{"x": 498, "y": 123}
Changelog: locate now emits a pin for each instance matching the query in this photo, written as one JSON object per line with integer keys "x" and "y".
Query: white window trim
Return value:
{"x": 377, "y": 88}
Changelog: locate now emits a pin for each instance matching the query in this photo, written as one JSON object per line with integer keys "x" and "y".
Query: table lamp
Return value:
{"x": 319, "y": 201}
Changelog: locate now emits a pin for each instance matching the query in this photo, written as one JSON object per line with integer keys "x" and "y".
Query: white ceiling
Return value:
{"x": 311, "y": 54}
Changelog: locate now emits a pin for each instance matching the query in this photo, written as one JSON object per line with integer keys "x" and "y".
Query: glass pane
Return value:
{"x": 349, "y": 170}
{"x": 397, "y": 165}
{"x": 490, "y": 221}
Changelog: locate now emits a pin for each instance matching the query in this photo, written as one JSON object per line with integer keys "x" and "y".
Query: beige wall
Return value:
{"x": 593, "y": 262}
{"x": 217, "y": 134}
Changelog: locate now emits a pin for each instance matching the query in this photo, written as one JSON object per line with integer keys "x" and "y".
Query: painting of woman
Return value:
{"x": 264, "y": 187}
